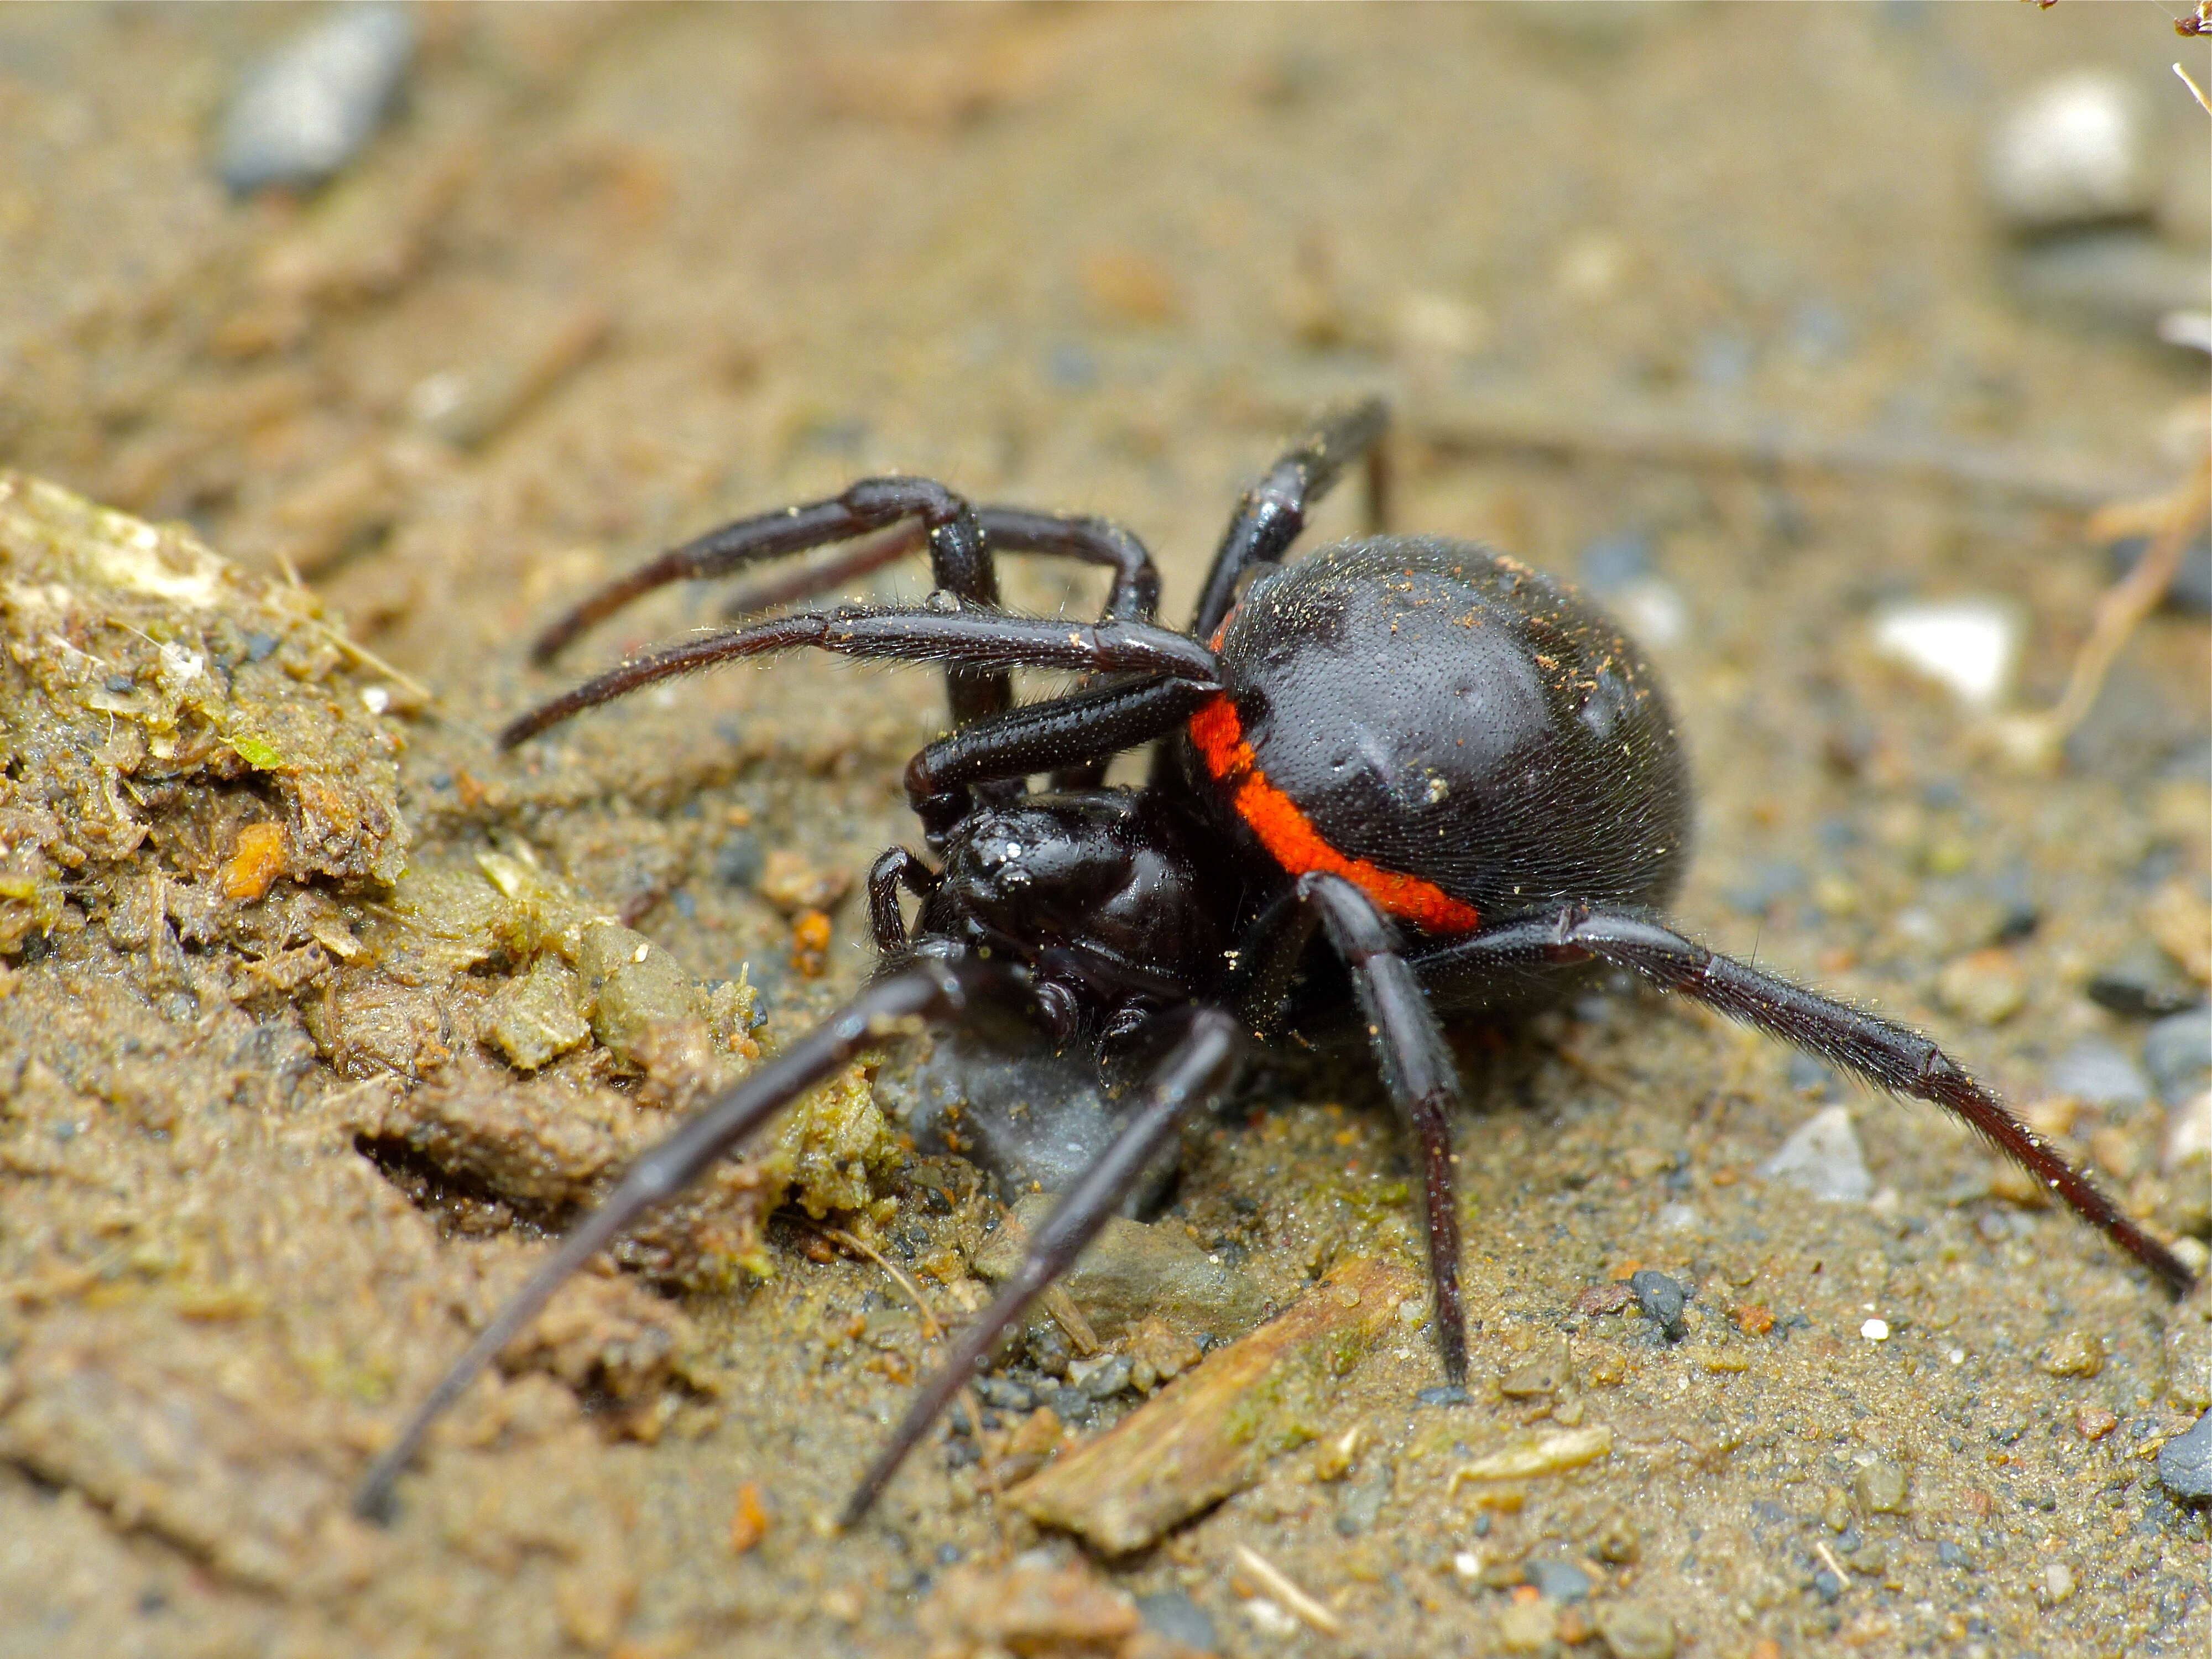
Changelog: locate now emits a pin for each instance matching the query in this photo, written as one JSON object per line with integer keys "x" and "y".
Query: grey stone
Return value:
{"x": 2184, "y": 1462}
{"x": 2099, "y": 1072}
{"x": 2141, "y": 982}
{"x": 308, "y": 109}
{"x": 1173, "y": 1614}
{"x": 1662, "y": 1300}
{"x": 1823, "y": 1159}
{"x": 2177, "y": 1054}
{"x": 1559, "y": 1580}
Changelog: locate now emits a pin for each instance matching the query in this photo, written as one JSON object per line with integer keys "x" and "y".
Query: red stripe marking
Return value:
{"x": 1288, "y": 834}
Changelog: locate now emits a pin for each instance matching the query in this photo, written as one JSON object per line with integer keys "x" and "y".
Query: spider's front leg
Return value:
{"x": 920, "y": 990}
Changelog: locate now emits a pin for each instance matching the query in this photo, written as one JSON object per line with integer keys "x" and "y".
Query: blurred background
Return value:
{"x": 1849, "y": 352}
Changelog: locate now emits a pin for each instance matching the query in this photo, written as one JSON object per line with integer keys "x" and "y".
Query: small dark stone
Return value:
{"x": 1662, "y": 1300}
{"x": 1069, "y": 1405}
{"x": 1950, "y": 1554}
{"x": 2184, "y": 1462}
{"x": 2142, "y": 982}
{"x": 1173, "y": 1614}
{"x": 1442, "y": 1395}
{"x": 261, "y": 646}
{"x": 1556, "y": 1580}
{"x": 947, "y": 1554}
{"x": 1826, "y": 1585}
{"x": 1004, "y": 1392}
{"x": 2178, "y": 1053}
{"x": 738, "y": 861}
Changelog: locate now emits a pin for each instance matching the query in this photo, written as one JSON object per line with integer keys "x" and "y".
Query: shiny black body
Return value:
{"x": 1434, "y": 767}
{"x": 1437, "y": 709}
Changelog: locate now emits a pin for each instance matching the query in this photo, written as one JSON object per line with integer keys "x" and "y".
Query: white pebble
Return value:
{"x": 2188, "y": 1133}
{"x": 1267, "y": 1616}
{"x": 375, "y": 699}
{"x": 304, "y": 114}
{"x": 1823, "y": 1159}
{"x": 2076, "y": 150}
{"x": 1875, "y": 1330}
{"x": 1966, "y": 644}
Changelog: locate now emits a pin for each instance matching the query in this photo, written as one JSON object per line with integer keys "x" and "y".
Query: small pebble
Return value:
{"x": 2058, "y": 1582}
{"x": 2075, "y": 1354}
{"x": 1967, "y": 645}
{"x": 1827, "y": 1586}
{"x": 1442, "y": 1395}
{"x": 738, "y": 860}
{"x": 1881, "y": 1487}
{"x": 2142, "y": 982}
{"x": 1875, "y": 1330}
{"x": 306, "y": 111}
{"x": 1360, "y": 1502}
{"x": 2099, "y": 1072}
{"x": 1631, "y": 1630}
{"x": 1172, "y": 1613}
{"x": 2177, "y": 1054}
{"x": 2076, "y": 150}
{"x": 1662, "y": 1300}
{"x": 1102, "y": 1377}
{"x": 1823, "y": 1159}
{"x": 1987, "y": 987}
{"x": 1556, "y": 1581}
{"x": 2184, "y": 1462}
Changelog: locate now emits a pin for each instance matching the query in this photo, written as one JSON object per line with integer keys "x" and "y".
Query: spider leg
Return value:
{"x": 1082, "y": 727}
{"x": 893, "y": 869}
{"x": 980, "y": 639}
{"x": 1408, "y": 1045}
{"x": 1890, "y": 1056}
{"x": 921, "y": 989}
{"x": 1274, "y": 511}
{"x": 1202, "y": 1064}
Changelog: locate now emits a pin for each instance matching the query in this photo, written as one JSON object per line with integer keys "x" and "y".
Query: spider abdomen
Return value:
{"x": 1456, "y": 734}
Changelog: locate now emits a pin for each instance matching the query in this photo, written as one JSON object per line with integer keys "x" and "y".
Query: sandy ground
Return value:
{"x": 1710, "y": 281}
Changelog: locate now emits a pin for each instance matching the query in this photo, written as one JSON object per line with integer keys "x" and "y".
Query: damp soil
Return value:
{"x": 318, "y": 1014}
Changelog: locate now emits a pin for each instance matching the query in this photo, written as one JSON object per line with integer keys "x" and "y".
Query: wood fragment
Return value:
{"x": 1267, "y": 1576}
{"x": 1535, "y": 1455}
{"x": 1211, "y": 1432}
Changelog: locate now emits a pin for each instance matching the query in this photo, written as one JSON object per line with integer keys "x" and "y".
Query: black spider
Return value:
{"x": 1458, "y": 772}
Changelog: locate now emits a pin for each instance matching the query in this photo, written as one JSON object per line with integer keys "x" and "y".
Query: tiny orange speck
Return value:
{"x": 256, "y": 860}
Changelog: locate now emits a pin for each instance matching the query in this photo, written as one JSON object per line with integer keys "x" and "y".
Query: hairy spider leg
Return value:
{"x": 921, "y": 989}
{"x": 1202, "y": 1065}
{"x": 1274, "y": 511}
{"x": 962, "y": 540}
{"x": 981, "y": 640}
{"x": 1890, "y": 1056}
{"x": 1059, "y": 736}
{"x": 1402, "y": 1031}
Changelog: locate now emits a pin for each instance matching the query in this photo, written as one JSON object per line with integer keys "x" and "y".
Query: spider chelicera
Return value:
{"x": 1458, "y": 773}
